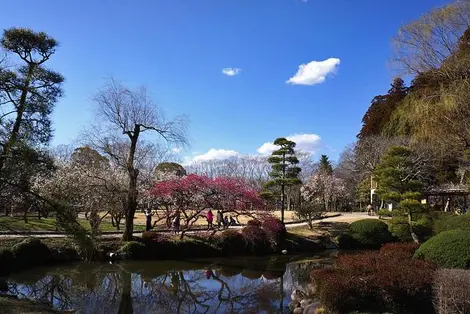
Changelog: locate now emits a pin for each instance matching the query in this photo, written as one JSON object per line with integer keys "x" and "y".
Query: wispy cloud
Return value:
{"x": 177, "y": 150}
{"x": 231, "y": 71}
{"x": 213, "y": 154}
{"x": 309, "y": 143}
{"x": 314, "y": 72}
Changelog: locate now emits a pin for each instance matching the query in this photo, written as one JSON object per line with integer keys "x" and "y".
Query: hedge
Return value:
{"x": 452, "y": 222}
{"x": 370, "y": 233}
{"x": 448, "y": 249}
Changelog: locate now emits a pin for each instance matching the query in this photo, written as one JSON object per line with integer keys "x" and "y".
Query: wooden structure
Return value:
{"x": 448, "y": 197}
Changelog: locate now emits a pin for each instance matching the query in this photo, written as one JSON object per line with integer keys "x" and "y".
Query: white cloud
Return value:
{"x": 177, "y": 150}
{"x": 217, "y": 154}
{"x": 308, "y": 143}
{"x": 231, "y": 71}
{"x": 314, "y": 72}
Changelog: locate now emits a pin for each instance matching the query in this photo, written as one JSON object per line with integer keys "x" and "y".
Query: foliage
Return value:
{"x": 452, "y": 222}
{"x": 275, "y": 230}
{"x": 256, "y": 239}
{"x": 154, "y": 236}
{"x": 285, "y": 171}
{"x": 452, "y": 291}
{"x": 172, "y": 169}
{"x": 231, "y": 242}
{"x": 370, "y": 233}
{"x": 310, "y": 211}
{"x": 7, "y": 260}
{"x": 133, "y": 250}
{"x": 254, "y": 222}
{"x": 192, "y": 195}
{"x": 448, "y": 249}
{"x": 359, "y": 282}
{"x": 381, "y": 109}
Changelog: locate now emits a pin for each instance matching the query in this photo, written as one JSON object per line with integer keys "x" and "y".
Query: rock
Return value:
{"x": 305, "y": 302}
{"x": 297, "y": 295}
{"x": 312, "y": 308}
{"x": 284, "y": 252}
{"x": 298, "y": 310}
{"x": 293, "y": 305}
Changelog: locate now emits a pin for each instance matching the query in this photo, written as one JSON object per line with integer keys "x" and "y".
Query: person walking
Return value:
{"x": 226, "y": 222}
{"x": 219, "y": 219}
{"x": 210, "y": 219}
{"x": 148, "y": 220}
{"x": 369, "y": 209}
{"x": 176, "y": 223}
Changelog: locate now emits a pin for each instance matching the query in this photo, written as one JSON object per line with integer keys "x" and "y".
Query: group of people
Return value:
{"x": 221, "y": 220}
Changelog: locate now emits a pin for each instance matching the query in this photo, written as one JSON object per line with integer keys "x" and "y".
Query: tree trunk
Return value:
{"x": 19, "y": 118}
{"x": 132, "y": 191}
{"x": 410, "y": 223}
{"x": 282, "y": 203}
{"x": 125, "y": 305}
{"x": 25, "y": 215}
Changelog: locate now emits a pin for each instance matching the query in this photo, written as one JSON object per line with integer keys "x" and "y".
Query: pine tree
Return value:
{"x": 325, "y": 165}
{"x": 285, "y": 171}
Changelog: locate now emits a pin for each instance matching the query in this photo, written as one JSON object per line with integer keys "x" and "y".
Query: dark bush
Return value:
{"x": 275, "y": 230}
{"x": 452, "y": 222}
{"x": 133, "y": 250}
{"x": 255, "y": 239}
{"x": 346, "y": 241}
{"x": 231, "y": 242}
{"x": 407, "y": 250}
{"x": 7, "y": 261}
{"x": 370, "y": 233}
{"x": 448, "y": 249}
{"x": 31, "y": 252}
{"x": 254, "y": 222}
{"x": 154, "y": 236}
{"x": 377, "y": 282}
{"x": 400, "y": 229}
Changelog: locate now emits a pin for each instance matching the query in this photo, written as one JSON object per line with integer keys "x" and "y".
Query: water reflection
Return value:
{"x": 236, "y": 285}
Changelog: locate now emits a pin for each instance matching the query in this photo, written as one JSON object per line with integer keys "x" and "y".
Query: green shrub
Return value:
{"x": 448, "y": 249}
{"x": 452, "y": 222}
{"x": 231, "y": 242}
{"x": 400, "y": 229}
{"x": 370, "y": 233}
{"x": 31, "y": 252}
{"x": 385, "y": 213}
{"x": 133, "y": 250}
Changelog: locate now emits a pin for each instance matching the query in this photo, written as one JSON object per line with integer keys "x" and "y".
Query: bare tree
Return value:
{"x": 125, "y": 116}
{"x": 425, "y": 43}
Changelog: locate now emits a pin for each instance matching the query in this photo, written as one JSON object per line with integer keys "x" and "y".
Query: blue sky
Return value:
{"x": 178, "y": 49}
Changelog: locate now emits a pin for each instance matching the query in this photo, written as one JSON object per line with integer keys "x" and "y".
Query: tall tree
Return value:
{"x": 125, "y": 117}
{"x": 423, "y": 44}
{"x": 285, "y": 171}
{"x": 381, "y": 109}
{"x": 27, "y": 92}
{"x": 325, "y": 165}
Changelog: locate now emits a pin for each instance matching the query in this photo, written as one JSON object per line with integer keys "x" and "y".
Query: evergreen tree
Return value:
{"x": 285, "y": 171}
{"x": 325, "y": 165}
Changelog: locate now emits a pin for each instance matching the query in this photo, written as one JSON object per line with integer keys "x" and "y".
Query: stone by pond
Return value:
{"x": 234, "y": 285}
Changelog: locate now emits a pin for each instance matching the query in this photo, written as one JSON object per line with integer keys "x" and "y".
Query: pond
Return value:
{"x": 231, "y": 285}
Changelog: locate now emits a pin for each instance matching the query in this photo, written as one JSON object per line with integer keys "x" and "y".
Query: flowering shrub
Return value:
{"x": 275, "y": 230}
{"x": 256, "y": 239}
{"x": 193, "y": 195}
{"x": 231, "y": 242}
{"x": 383, "y": 281}
{"x": 254, "y": 222}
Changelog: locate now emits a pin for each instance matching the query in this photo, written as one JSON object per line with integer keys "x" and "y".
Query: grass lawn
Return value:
{"x": 49, "y": 224}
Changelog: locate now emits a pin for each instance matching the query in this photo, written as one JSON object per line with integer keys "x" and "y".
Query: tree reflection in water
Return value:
{"x": 161, "y": 287}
